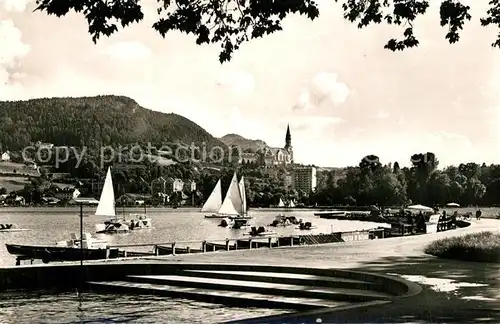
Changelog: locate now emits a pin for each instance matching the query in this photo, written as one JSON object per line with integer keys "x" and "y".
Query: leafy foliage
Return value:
{"x": 374, "y": 183}
{"x": 94, "y": 122}
{"x": 233, "y": 22}
{"x": 478, "y": 247}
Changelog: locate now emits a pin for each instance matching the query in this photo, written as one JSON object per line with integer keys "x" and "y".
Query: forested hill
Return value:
{"x": 93, "y": 121}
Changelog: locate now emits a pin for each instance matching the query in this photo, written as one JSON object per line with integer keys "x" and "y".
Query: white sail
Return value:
{"x": 292, "y": 204}
{"x": 106, "y": 205}
{"x": 281, "y": 204}
{"x": 214, "y": 201}
{"x": 243, "y": 194}
{"x": 232, "y": 204}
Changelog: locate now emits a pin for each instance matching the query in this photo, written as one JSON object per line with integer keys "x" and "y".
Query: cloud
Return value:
{"x": 127, "y": 51}
{"x": 322, "y": 88}
{"x": 13, "y": 50}
{"x": 14, "y": 5}
{"x": 237, "y": 82}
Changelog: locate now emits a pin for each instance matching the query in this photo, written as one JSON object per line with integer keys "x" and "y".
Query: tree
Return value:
{"x": 233, "y": 22}
{"x": 470, "y": 170}
{"x": 388, "y": 190}
{"x": 395, "y": 167}
{"x": 438, "y": 189}
{"x": 370, "y": 163}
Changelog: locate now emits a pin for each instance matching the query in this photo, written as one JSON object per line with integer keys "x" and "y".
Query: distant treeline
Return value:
{"x": 373, "y": 183}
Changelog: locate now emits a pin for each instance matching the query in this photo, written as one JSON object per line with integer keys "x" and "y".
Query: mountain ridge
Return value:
{"x": 94, "y": 120}
{"x": 246, "y": 145}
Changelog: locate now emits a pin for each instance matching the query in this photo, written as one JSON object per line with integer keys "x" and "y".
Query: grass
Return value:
{"x": 477, "y": 247}
{"x": 13, "y": 183}
{"x": 11, "y": 168}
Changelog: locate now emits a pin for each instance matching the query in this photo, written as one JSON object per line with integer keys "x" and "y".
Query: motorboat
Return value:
{"x": 234, "y": 222}
{"x": 261, "y": 231}
{"x": 12, "y": 228}
{"x": 226, "y": 222}
{"x": 282, "y": 220}
{"x": 241, "y": 223}
{"x": 306, "y": 226}
{"x": 139, "y": 221}
{"x": 115, "y": 226}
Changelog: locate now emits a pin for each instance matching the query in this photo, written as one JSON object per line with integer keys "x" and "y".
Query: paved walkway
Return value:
{"x": 453, "y": 291}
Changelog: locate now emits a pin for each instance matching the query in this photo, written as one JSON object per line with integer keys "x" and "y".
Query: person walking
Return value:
{"x": 478, "y": 214}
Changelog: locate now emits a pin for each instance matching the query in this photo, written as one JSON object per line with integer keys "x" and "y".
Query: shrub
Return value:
{"x": 478, "y": 247}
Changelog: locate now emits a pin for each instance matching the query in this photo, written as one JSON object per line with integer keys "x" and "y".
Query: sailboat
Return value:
{"x": 292, "y": 204}
{"x": 214, "y": 202}
{"x": 234, "y": 205}
{"x": 281, "y": 204}
{"x": 107, "y": 208}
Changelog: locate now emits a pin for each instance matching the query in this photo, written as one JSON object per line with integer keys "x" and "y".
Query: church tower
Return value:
{"x": 288, "y": 143}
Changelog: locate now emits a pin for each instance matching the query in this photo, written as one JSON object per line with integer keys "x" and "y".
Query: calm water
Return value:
{"x": 49, "y": 225}
{"x": 99, "y": 308}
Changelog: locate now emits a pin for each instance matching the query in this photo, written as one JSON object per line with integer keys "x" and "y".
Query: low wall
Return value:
{"x": 72, "y": 276}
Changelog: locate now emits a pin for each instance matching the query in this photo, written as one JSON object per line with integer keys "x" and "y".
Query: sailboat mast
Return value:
{"x": 123, "y": 203}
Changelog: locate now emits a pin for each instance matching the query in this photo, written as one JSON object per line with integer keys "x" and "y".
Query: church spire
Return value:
{"x": 288, "y": 138}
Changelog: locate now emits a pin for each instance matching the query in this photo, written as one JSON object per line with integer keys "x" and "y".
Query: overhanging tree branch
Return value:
{"x": 231, "y": 23}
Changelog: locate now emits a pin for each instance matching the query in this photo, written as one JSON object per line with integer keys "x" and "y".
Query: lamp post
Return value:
{"x": 81, "y": 202}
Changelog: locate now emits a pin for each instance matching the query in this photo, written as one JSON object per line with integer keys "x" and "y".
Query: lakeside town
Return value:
{"x": 273, "y": 180}
{"x": 248, "y": 162}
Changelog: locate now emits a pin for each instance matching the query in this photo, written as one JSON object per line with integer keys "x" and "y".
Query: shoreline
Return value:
{"x": 401, "y": 257}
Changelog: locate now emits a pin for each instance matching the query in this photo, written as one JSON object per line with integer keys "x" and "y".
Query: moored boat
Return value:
{"x": 261, "y": 231}
{"x": 306, "y": 226}
{"x": 168, "y": 250}
{"x": 70, "y": 250}
{"x": 333, "y": 214}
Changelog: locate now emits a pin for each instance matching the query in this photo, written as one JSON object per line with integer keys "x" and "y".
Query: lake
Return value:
{"x": 49, "y": 225}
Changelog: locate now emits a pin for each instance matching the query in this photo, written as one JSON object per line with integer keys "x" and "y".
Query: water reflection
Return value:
{"x": 46, "y": 307}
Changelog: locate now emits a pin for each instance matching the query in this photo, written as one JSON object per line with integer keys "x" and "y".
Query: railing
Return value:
{"x": 185, "y": 247}
{"x": 208, "y": 245}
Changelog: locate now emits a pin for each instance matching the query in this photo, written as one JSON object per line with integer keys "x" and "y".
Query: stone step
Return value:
{"x": 229, "y": 298}
{"x": 286, "y": 278}
{"x": 341, "y": 294}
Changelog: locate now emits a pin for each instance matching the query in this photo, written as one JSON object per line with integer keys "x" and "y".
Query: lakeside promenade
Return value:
{"x": 453, "y": 291}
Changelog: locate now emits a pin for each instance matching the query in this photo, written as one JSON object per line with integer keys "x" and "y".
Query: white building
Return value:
{"x": 304, "y": 178}
{"x": 5, "y": 156}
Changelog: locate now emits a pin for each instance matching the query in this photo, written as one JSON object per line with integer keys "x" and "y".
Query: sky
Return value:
{"x": 342, "y": 93}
